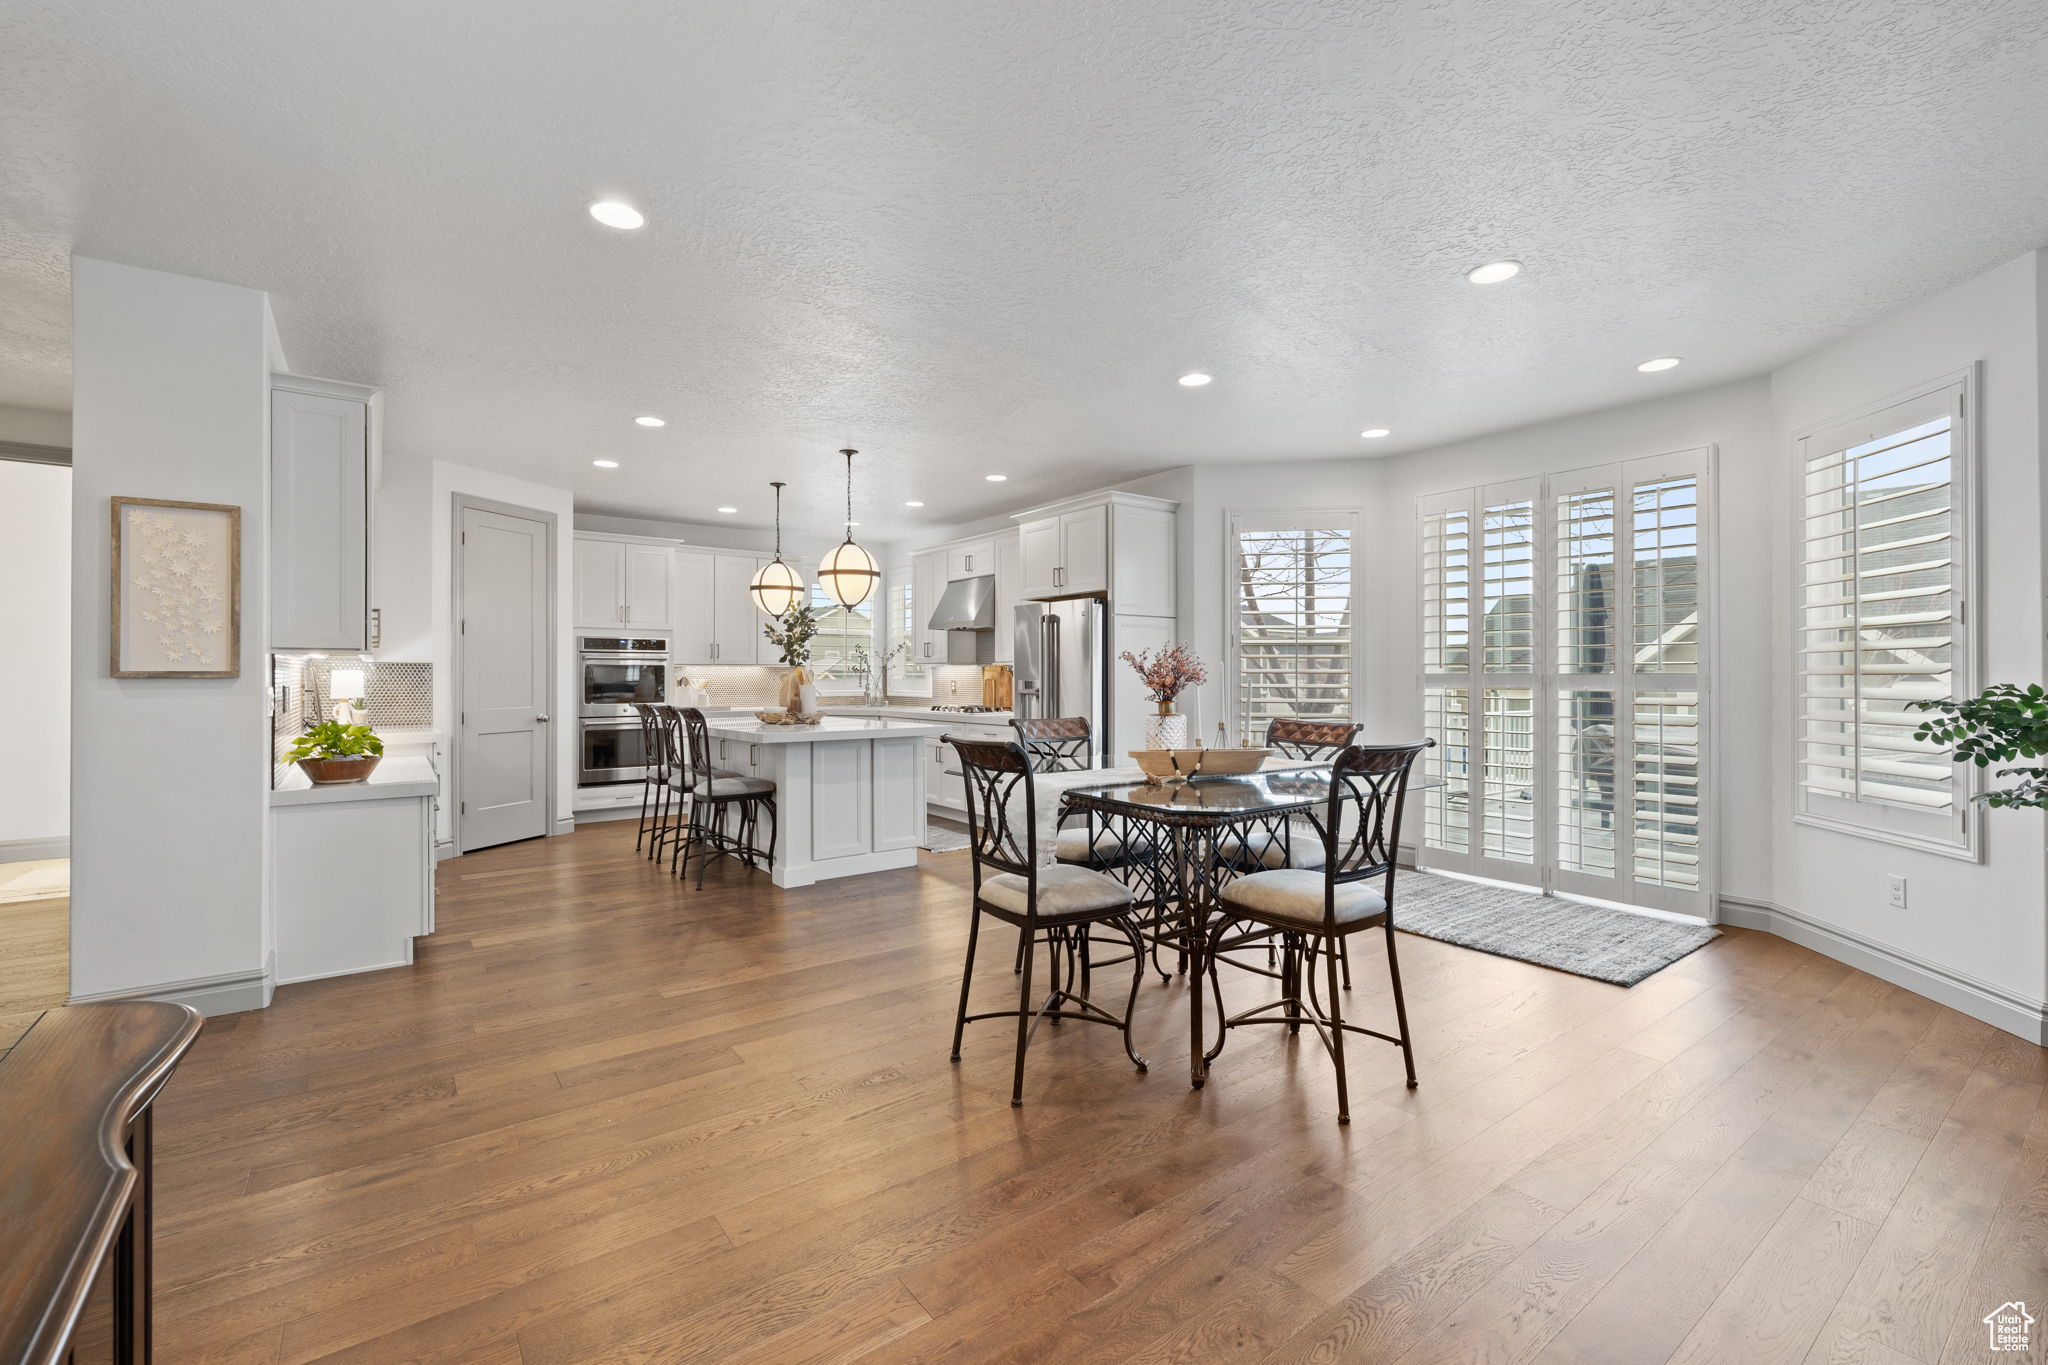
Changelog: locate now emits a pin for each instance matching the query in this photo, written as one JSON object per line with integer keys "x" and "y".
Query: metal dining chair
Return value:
{"x": 713, "y": 794}
{"x": 1313, "y": 910}
{"x": 1055, "y": 905}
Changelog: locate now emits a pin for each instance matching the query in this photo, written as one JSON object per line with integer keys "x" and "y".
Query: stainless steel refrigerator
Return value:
{"x": 1062, "y": 666}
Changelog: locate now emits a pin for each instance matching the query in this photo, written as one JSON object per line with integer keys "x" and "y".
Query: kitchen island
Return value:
{"x": 849, "y": 791}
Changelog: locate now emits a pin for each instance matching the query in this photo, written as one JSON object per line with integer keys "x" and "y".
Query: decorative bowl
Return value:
{"x": 1169, "y": 765}
{"x": 1227, "y": 762}
{"x": 789, "y": 717}
{"x": 339, "y": 772}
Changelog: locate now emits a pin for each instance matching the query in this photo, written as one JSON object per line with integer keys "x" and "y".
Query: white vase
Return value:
{"x": 1169, "y": 731}
{"x": 807, "y": 699}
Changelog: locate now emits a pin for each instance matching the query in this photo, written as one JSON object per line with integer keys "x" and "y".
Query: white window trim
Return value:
{"x": 849, "y": 686}
{"x": 1282, "y": 518}
{"x": 1882, "y": 822}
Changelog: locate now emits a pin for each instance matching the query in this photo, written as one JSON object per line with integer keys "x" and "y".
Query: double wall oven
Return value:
{"x": 616, "y": 672}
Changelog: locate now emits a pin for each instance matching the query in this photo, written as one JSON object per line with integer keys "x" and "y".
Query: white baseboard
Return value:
{"x": 443, "y": 851}
{"x": 1960, "y": 991}
{"x": 34, "y": 850}
{"x": 210, "y": 995}
{"x": 566, "y": 825}
{"x": 594, "y": 814}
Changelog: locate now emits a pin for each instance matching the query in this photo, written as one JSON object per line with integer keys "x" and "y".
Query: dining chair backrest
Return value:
{"x": 650, "y": 740}
{"x": 998, "y": 781}
{"x": 696, "y": 746}
{"x": 1054, "y": 744}
{"x": 1362, "y": 827}
{"x": 1309, "y": 739}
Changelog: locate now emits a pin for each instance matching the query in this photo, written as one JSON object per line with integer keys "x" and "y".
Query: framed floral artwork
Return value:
{"x": 177, "y": 590}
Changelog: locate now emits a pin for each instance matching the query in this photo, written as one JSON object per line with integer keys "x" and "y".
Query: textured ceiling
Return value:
{"x": 971, "y": 237}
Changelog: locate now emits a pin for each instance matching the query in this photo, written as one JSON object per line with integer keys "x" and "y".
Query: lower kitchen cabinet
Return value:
{"x": 353, "y": 884}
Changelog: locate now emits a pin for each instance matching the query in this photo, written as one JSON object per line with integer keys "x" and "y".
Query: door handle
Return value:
{"x": 542, "y": 719}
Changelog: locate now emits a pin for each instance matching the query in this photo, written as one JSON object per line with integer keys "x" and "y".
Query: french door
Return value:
{"x": 1564, "y": 681}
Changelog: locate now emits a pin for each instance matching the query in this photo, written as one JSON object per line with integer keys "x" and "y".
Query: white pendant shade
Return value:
{"x": 848, "y": 574}
{"x": 776, "y": 587}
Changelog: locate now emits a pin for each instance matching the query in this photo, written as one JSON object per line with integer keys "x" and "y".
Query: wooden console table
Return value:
{"x": 75, "y": 1095}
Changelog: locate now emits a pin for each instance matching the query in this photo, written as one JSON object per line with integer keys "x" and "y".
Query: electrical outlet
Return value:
{"x": 1898, "y": 892}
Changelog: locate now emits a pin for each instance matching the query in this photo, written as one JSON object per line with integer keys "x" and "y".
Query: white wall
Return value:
{"x": 35, "y": 667}
{"x": 1983, "y": 924}
{"x": 34, "y": 426}
{"x": 170, "y": 776}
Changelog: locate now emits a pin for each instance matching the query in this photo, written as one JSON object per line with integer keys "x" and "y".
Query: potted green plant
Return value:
{"x": 333, "y": 754}
{"x": 2003, "y": 722}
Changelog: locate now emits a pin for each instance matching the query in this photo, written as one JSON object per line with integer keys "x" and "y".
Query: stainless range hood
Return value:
{"x": 967, "y": 604}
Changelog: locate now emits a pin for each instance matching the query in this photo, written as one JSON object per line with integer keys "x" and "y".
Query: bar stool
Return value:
{"x": 713, "y": 792}
{"x": 654, "y": 782}
{"x": 1313, "y": 910}
{"x": 1053, "y": 905}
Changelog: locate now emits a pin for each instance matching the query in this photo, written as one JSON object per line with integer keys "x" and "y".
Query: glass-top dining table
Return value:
{"x": 1183, "y": 844}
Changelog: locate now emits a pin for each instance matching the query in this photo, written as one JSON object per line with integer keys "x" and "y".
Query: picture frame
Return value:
{"x": 175, "y": 601}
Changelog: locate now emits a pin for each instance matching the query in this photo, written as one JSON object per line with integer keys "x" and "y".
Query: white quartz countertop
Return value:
{"x": 1001, "y": 718}
{"x": 399, "y": 775}
{"x": 833, "y": 727}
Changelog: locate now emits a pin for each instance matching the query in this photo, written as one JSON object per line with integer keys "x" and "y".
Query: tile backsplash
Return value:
{"x": 398, "y": 695}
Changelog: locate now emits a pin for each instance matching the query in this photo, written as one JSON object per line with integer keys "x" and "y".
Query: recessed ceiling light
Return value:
{"x": 913, "y": 504}
{"x": 1194, "y": 381}
{"x": 1493, "y": 272}
{"x": 1374, "y": 433}
{"x": 728, "y": 510}
{"x": 996, "y": 478}
{"x": 614, "y": 214}
{"x": 606, "y": 464}
{"x": 1662, "y": 362}
{"x": 650, "y": 421}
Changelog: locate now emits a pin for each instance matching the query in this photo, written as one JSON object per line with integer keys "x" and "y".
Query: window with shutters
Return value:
{"x": 1563, "y": 680}
{"x": 1292, "y": 629}
{"x": 841, "y": 630}
{"x": 907, "y": 676}
{"x": 1882, "y": 617}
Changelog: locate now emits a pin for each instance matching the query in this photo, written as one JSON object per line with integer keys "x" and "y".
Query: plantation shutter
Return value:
{"x": 1292, "y": 628}
{"x": 1882, "y": 617}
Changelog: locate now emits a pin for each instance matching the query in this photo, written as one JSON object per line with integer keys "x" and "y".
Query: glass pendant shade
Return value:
{"x": 848, "y": 574}
{"x": 776, "y": 587}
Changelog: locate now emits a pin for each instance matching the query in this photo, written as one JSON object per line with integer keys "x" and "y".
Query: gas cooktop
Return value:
{"x": 970, "y": 710}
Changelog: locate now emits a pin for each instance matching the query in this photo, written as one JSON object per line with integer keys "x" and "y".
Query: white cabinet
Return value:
{"x": 353, "y": 885}
{"x": 1084, "y": 550}
{"x": 1116, "y": 544}
{"x": 1039, "y": 553}
{"x": 974, "y": 559}
{"x": 1129, "y": 706}
{"x": 1009, "y": 578}
{"x": 927, "y": 585}
{"x": 696, "y": 625}
{"x": 622, "y": 583}
{"x": 945, "y": 786}
{"x": 320, "y": 474}
{"x": 716, "y": 621}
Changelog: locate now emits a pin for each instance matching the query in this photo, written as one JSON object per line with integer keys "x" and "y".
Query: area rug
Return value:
{"x": 41, "y": 880}
{"x": 1585, "y": 940}
{"x": 943, "y": 836}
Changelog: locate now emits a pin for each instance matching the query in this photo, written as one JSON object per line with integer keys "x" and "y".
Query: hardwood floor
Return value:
{"x": 605, "y": 1120}
{"x": 35, "y": 962}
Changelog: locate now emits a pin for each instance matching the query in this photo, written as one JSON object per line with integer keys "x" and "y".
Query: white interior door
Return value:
{"x": 503, "y": 643}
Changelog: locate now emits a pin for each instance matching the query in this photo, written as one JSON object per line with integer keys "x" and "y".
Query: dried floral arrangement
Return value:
{"x": 1167, "y": 673}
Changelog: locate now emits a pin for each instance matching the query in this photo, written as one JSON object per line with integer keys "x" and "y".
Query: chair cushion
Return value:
{"x": 1294, "y": 895}
{"x": 1072, "y": 846}
{"x": 1304, "y": 849}
{"x": 733, "y": 786}
{"x": 1064, "y": 892}
{"x": 675, "y": 779}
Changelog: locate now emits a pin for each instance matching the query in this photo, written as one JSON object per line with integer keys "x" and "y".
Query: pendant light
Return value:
{"x": 777, "y": 586}
{"x": 848, "y": 573}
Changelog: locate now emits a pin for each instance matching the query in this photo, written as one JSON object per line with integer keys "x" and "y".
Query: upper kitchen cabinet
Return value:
{"x": 1009, "y": 582}
{"x": 1118, "y": 545}
{"x": 927, "y": 584}
{"x": 971, "y": 559}
{"x": 716, "y": 621}
{"x": 322, "y": 463}
{"x": 622, "y": 582}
